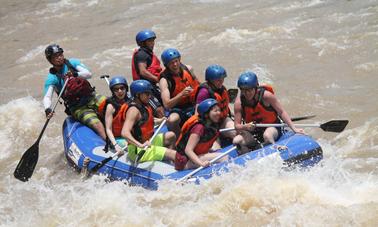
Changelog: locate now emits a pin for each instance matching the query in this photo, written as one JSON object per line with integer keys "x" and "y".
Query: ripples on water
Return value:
{"x": 319, "y": 54}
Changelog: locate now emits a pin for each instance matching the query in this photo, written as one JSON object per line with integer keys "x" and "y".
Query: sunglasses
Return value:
{"x": 122, "y": 88}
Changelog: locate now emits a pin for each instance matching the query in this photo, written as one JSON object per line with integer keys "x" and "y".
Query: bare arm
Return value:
{"x": 142, "y": 66}
{"x": 238, "y": 116}
{"x": 169, "y": 102}
{"x": 132, "y": 116}
{"x": 48, "y": 97}
{"x": 189, "y": 149}
{"x": 109, "y": 123}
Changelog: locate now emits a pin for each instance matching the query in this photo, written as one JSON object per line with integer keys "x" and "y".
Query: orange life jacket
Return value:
{"x": 206, "y": 141}
{"x": 257, "y": 112}
{"x": 177, "y": 83}
{"x": 119, "y": 115}
{"x": 143, "y": 129}
{"x": 221, "y": 95}
{"x": 154, "y": 68}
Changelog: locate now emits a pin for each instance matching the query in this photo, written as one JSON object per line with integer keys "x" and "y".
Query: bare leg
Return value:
{"x": 170, "y": 155}
{"x": 173, "y": 123}
{"x": 169, "y": 139}
{"x": 244, "y": 140}
{"x": 99, "y": 129}
{"x": 270, "y": 136}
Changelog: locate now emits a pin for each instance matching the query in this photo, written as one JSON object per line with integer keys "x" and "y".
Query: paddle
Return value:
{"x": 211, "y": 162}
{"x": 106, "y": 77}
{"x": 302, "y": 118}
{"x": 330, "y": 126}
{"x": 29, "y": 159}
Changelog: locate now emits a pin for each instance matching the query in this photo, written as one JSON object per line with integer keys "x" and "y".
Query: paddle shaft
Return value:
{"x": 211, "y": 162}
{"x": 273, "y": 125}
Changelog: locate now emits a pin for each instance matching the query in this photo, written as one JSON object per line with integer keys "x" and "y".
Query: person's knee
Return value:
{"x": 170, "y": 137}
{"x": 237, "y": 140}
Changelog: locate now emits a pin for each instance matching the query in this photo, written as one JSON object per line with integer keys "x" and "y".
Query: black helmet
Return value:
{"x": 51, "y": 50}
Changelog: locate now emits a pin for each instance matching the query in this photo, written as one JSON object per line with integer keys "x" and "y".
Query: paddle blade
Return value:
{"x": 232, "y": 94}
{"x": 26, "y": 166}
{"x": 334, "y": 126}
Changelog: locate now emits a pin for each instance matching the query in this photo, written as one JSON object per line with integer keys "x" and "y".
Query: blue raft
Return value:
{"x": 81, "y": 141}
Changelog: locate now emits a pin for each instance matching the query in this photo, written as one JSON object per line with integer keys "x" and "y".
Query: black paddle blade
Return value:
{"x": 232, "y": 94}
{"x": 101, "y": 164}
{"x": 26, "y": 166}
{"x": 334, "y": 126}
{"x": 302, "y": 118}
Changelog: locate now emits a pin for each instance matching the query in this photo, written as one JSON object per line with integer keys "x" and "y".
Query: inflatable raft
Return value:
{"x": 81, "y": 142}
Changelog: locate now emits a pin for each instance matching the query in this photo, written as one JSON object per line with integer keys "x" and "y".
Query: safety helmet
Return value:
{"x": 51, "y": 50}
{"x": 118, "y": 80}
{"x": 205, "y": 106}
{"x": 248, "y": 80}
{"x": 144, "y": 35}
{"x": 140, "y": 86}
{"x": 169, "y": 54}
{"x": 214, "y": 72}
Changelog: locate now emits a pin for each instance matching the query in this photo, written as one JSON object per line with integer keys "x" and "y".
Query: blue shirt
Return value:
{"x": 58, "y": 82}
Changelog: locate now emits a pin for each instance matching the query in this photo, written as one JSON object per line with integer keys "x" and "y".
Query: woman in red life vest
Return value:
{"x": 197, "y": 137}
{"x": 139, "y": 128}
{"x": 214, "y": 88}
{"x": 257, "y": 104}
{"x": 178, "y": 87}
{"x": 115, "y": 112}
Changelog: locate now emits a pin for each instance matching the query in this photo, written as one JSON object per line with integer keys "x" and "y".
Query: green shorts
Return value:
{"x": 87, "y": 114}
{"x": 155, "y": 152}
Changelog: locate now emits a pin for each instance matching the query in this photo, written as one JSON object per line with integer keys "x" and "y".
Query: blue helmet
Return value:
{"x": 248, "y": 80}
{"x": 118, "y": 80}
{"x": 140, "y": 86}
{"x": 144, "y": 35}
{"x": 205, "y": 106}
{"x": 169, "y": 54}
{"x": 214, "y": 72}
{"x": 51, "y": 50}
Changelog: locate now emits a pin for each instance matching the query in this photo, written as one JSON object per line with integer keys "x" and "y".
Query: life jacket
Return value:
{"x": 78, "y": 90}
{"x": 221, "y": 95}
{"x": 257, "y": 112}
{"x": 154, "y": 68}
{"x": 177, "y": 83}
{"x": 144, "y": 128}
{"x": 206, "y": 141}
{"x": 119, "y": 115}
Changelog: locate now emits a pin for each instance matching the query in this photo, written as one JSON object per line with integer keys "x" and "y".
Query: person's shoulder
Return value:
{"x": 51, "y": 79}
{"x": 198, "y": 129}
{"x": 74, "y": 61}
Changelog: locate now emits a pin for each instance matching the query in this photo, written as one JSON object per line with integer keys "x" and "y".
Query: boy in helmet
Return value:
{"x": 84, "y": 109}
{"x": 257, "y": 104}
{"x": 178, "y": 86}
{"x": 139, "y": 128}
{"x": 145, "y": 65}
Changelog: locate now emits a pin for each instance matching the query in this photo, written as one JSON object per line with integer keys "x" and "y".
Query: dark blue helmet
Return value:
{"x": 140, "y": 86}
{"x": 118, "y": 80}
{"x": 51, "y": 50}
{"x": 214, "y": 72}
{"x": 248, "y": 80}
{"x": 144, "y": 35}
{"x": 205, "y": 106}
{"x": 169, "y": 54}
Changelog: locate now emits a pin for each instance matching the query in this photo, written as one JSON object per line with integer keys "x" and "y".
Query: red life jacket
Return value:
{"x": 257, "y": 112}
{"x": 119, "y": 120}
{"x": 144, "y": 128}
{"x": 177, "y": 83}
{"x": 154, "y": 68}
{"x": 206, "y": 141}
{"x": 221, "y": 95}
